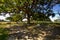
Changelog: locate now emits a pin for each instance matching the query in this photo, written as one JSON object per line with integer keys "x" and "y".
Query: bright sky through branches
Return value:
{"x": 56, "y": 9}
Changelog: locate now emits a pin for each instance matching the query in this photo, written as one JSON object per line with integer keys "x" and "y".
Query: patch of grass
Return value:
{"x": 8, "y": 24}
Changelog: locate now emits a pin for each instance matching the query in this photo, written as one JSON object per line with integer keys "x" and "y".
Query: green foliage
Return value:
{"x": 9, "y": 18}
{"x": 40, "y": 17}
{"x": 15, "y": 18}
{"x": 3, "y": 34}
{"x": 15, "y": 6}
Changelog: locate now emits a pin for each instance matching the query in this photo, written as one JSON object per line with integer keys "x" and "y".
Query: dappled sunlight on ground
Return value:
{"x": 37, "y": 32}
{"x": 42, "y": 31}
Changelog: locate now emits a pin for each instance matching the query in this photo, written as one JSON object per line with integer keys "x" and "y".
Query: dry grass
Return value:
{"x": 9, "y": 24}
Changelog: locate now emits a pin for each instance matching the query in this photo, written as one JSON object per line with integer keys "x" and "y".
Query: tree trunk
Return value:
{"x": 28, "y": 18}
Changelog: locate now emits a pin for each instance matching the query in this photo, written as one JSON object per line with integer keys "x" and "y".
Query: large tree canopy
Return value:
{"x": 28, "y": 6}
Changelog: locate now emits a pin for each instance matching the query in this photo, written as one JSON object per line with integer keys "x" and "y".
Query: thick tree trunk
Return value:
{"x": 28, "y": 18}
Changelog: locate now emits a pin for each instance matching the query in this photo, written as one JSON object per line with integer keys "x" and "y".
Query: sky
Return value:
{"x": 54, "y": 18}
{"x": 4, "y": 17}
{"x": 56, "y": 9}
